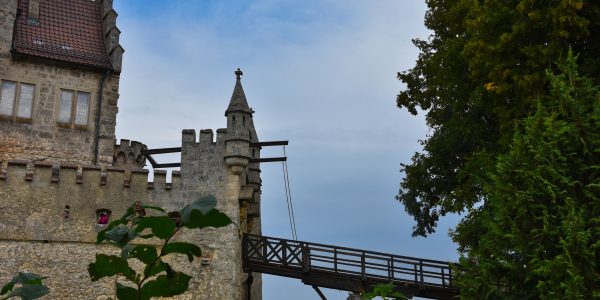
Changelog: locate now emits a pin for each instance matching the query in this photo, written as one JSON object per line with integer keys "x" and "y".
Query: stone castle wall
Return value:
{"x": 41, "y": 136}
{"x": 35, "y": 236}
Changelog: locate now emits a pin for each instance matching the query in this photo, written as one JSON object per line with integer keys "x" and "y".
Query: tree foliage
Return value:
{"x": 481, "y": 70}
{"x": 384, "y": 291}
{"x": 158, "y": 279}
{"x": 538, "y": 234}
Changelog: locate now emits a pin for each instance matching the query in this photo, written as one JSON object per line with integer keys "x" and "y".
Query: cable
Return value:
{"x": 288, "y": 196}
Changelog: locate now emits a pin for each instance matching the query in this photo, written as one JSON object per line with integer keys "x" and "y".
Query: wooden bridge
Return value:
{"x": 347, "y": 269}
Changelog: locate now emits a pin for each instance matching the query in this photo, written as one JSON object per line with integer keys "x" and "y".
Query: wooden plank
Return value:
{"x": 272, "y": 143}
{"x": 269, "y": 159}
{"x": 170, "y": 165}
{"x": 161, "y": 150}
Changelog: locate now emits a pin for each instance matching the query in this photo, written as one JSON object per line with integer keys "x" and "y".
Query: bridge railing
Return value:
{"x": 346, "y": 262}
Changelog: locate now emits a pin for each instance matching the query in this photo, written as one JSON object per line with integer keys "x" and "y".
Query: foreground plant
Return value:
{"x": 385, "y": 291}
{"x": 25, "y": 285}
{"x": 158, "y": 279}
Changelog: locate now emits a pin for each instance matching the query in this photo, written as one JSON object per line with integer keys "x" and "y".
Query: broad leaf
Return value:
{"x": 188, "y": 249}
{"x": 102, "y": 234}
{"x": 158, "y": 267}
{"x": 162, "y": 227}
{"x": 27, "y": 278}
{"x": 119, "y": 234}
{"x": 213, "y": 218}
{"x": 125, "y": 292}
{"x": 7, "y": 288}
{"x": 30, "y": 291}
{"x": 204, "y": 205}
{"x": 145, "y": 253}
{"x": 153, "y": 207}
{"x": 30, "y": 286}
{"x": 109, "y": 265}
{"x": 166, "y": 285}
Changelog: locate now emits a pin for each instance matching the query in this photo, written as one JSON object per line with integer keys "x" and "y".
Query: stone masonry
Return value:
{"x": 54, "y": 182}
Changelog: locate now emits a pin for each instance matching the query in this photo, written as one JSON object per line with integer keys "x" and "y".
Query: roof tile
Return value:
{"x": 67, "y": 30}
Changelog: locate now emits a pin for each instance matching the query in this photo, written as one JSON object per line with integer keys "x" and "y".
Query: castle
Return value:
{"x": 63, "y": 176}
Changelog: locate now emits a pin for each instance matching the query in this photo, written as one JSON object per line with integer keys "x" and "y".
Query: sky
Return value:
{"x": 319, "y": 73}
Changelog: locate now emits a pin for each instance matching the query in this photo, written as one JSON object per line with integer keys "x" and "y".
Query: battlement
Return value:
{"x": 206, "y": 137}
{"x": 128, "y": 154}
{"x": 47, "y": 172}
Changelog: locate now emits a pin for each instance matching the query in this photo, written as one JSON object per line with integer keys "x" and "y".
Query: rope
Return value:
{"x": 288, "y": 197}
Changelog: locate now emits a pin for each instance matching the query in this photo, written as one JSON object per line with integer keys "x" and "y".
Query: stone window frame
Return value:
{"x": 18, "y": 87}
{"x": 74, "y": 97}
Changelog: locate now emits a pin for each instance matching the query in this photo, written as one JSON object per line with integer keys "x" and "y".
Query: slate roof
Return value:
{"x": 238, "y": 102}
{"x": 66, "y": 30}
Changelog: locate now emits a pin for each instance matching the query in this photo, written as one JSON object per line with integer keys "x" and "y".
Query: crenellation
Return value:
{"x": 107, "y": 177}
{"x": 188, "y": 137}
{"x": 160, "y": 179}
{"x": 221, "y": 136}
{"x": 59, "y": 199}
{"x": 206, "y": 136}
{"x": 129, "y": 154}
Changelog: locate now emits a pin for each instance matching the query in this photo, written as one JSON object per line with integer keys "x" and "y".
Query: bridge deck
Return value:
{"x": 346, "y": 268}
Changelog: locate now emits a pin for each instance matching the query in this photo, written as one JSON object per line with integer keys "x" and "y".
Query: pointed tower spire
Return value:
{"x": 238, "y": 101}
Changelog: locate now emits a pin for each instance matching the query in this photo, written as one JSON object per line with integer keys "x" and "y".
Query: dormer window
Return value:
{"x": 16, "y": 100}
{"x": 74, "y": 108}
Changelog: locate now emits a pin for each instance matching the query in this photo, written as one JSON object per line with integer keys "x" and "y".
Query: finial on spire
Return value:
{"x": 238, "y": 73}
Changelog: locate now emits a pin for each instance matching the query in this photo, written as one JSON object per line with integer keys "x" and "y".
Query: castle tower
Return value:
{"x": 59, "y": 80}
{"x": 60, "y": 62}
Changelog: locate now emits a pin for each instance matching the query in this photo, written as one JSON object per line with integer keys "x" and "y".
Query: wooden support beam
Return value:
{"x": 268, "y": 159}
{"x": 170, "y": 165}
{"x": 319, "y": 292}
{"x": 151, "y": 160}
{"x": 272, "y": 143}
{"x": 161, "y": 150}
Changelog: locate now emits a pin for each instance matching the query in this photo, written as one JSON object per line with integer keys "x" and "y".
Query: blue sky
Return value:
{"x": 321, "y": 74}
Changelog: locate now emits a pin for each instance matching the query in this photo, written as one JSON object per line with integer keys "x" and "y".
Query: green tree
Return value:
{"x": 158, "y": 279}
{"x": 482, "y": 70}
{"x": 538, "y": 234}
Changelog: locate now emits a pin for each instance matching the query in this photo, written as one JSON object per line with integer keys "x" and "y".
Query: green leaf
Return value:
{"x": 102, "y": 234}
{"x": 162, "y": 227}
{"x": 166, "y": 285}
{"x": 153, "y": 207}
{"x": 30, "y": 291}
{"x": 27, "y": 278}
{"x": 31, "y": 286}
{"x": 125, "y": 292}
{"x": 158, "y": 267}
{"x": 188, "y": 249}
{"x": 204, "y": 205}
{"x": 145, "y": 253}
{"x": 127, "y": 214}
{"x": 119, "y": 234}
{"x": 213, "y": 218}
{"x": 7, "y": 288}
{"x": 109, "y": 265}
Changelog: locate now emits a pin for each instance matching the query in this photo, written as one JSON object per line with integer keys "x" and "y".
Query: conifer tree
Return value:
{"x": 537, "y": 235}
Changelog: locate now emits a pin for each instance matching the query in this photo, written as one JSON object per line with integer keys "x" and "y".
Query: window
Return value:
{"x": 16, "y": 99}
{"x": 102, "y": 217}
{"x": 74, "y": 108}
